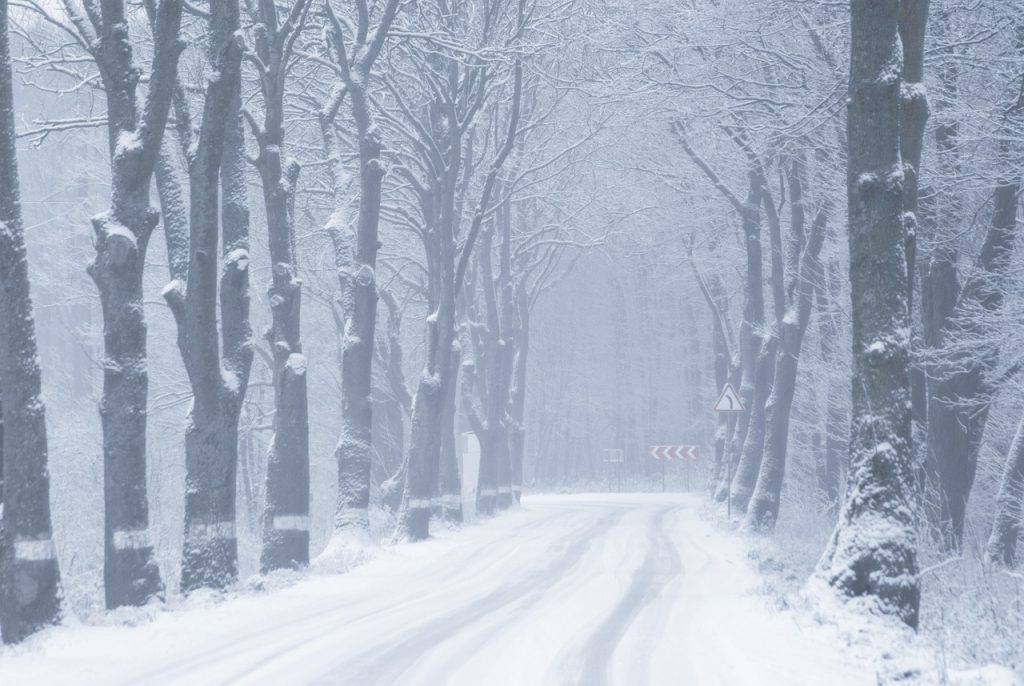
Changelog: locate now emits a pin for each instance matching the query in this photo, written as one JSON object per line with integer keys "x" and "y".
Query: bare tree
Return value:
{"x": 763, "y": 508}
{"x": 122, "y": 235}
{"x": 217, "y": 200}
{"x": 425, "y": 443}
{"x": 286, "y": 514}
{"x": 873, "y": 552}
{"x": 355, "y": 58}
{"x": 29, "y": 576}
{"x": 750, "y": 361}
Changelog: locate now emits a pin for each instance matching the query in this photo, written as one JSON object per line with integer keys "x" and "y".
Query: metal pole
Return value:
{"x": 663, "y": 476}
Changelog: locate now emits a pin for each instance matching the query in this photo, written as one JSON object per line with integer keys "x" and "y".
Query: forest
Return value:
{"x": 301, "y": 262}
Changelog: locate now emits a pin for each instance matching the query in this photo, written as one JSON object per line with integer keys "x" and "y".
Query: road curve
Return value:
{"x": 594, "y": 590}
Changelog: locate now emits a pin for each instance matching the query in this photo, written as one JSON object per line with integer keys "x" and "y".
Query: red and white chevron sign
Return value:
{"x": 675, "y": 452}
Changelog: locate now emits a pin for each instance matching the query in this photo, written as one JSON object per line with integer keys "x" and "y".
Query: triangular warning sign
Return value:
{"x": 729, "y": 401}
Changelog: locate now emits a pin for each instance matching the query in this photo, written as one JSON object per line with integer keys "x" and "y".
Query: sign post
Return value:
{"x": 675, "y": 452}
{"x": 729, "y": 401}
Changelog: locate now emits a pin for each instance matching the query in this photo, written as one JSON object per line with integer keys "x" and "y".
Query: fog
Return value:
{"x": 399, "y": 326}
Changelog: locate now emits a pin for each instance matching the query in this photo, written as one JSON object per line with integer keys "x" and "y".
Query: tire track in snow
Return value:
{"x": 386, "y": 666}
{"x": 471, "y": 560}
{"x": 590, "y": 663}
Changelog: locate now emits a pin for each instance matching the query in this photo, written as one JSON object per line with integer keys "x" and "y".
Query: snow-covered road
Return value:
{"x": 595, "y": 589}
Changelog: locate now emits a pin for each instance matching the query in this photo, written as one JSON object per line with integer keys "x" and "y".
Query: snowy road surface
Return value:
{"x": 596, "y": 589}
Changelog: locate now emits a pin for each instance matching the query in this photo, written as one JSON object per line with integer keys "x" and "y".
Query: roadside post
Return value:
{"x": 728, "y": 401}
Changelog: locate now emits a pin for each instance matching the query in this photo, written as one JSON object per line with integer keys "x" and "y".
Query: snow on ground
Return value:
{"x": 569, "y": 589}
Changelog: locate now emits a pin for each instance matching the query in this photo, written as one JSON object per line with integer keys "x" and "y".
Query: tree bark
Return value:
{"x": 961, "y": 389}
{"x": 873, "y": 551}
{"x": 745, "y": 477}
{"x": 210, "y": 555}
{"x": 122, "y": 234}
{"x": 1002, "y": 542}
{"x": 29, "y": 576}
{"x": 763, "y": 509}
{"x": 425, "y": 442}
{"x": 753, "y": 317}
{"x": 286, "y": 515}
{"x": 449, "y": 505}
{"x": 517, "y": 404}
{"x": 355, "y": 450}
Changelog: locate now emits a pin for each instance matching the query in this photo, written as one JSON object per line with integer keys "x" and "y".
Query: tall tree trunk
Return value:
{"x": 425, "y": 442}
{"x": 399, "y": 407}
{"x": 961, "y": 389}
{"x": 354, "y": 451}
{"x": 131, "y": 576}
{"x": 753, "y": 317}
{"x": 449, "y": 489}
{"x": 873, "y": 551}
{"x": 29, "y": 576}
{"x": 763, "y": 509}
{"x": 495, "y": 488}
{"x": 517, "y": 404}
{"x": 425, "y": 436}
{"x": 764, "y": 377}
{"x": 913, "y": 15}
{"x": 1002, "y": 543}
{"x": 210, "y": 555}
{"x": 286, "y": 516}
{"x": 428, "y": 403}
{"x": 745, "y": 477}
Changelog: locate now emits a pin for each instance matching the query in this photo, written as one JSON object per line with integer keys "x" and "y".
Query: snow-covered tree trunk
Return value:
{"x": 913, "y": 20}
{"x": 452, "y": 264}
{"x": 504, "y": 361}
{"x": 402, "y": 403}
{"x": 425, "y": 432}
{"x": 961, "y": 387}
{"x": 210, "y": 555}
{"x": 449, "y": 487}
{"x": 753, "y": 317}
{"x": 749, "y": 211}
{"x": 873, "y": 551}
{"x": 122, "y": 234}
{"x": 1002, "y": 543}
{"x": 495, "y": 487}
{"x": 428, "y": 403}
{"x": 29, "y": 576}
{"x": 752, "y": 451}
{"x": 517, "y": 395}
{"x": 355, "y": 450}
{"x": 237, "y": 344}
{"x": 763, "y": 508}
{"x": 286, "y": 515}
